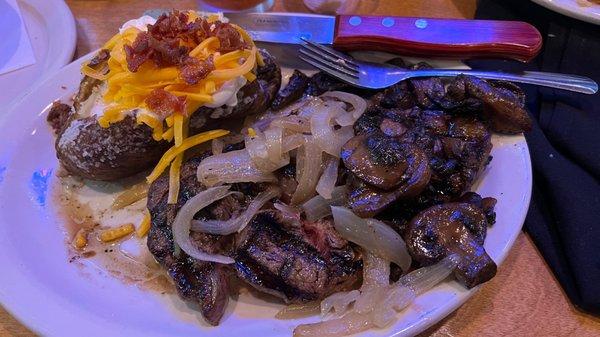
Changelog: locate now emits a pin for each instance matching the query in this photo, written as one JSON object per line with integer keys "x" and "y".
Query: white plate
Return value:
{"x": 55, "y": 298}
{"x": 571, "y": 8}
{"x": 51, "y": 29}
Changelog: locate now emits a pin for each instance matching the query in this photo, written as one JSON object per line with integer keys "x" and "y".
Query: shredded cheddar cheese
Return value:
{"x": 116, "y": 233}
{"x": 127, "y": 91}
{"x": 187, "y": 143}
{"x": 174, "y": 179}
{"x": 80, "y": 239}
{"x": 144, "y": 227}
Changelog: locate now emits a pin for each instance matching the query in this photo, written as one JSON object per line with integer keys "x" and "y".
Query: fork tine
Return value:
{"x": 330, "y": 71}
{"x": 332, "y": 52}
{"x": 334, "y": 59}
{"x": 328, "y": 63}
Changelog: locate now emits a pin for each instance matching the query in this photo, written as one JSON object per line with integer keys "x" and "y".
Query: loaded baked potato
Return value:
{"x": 118, "y": 149}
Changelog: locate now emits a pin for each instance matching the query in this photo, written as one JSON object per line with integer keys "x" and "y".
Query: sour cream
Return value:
{"x": 227, "y": 93}
{"x": 140, "y": 23}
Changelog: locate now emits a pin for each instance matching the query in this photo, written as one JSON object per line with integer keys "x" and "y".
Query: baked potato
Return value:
{"x": 86, "y": 149}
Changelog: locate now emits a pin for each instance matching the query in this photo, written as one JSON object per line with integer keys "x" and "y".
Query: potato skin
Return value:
{"x": 86, "y": 149}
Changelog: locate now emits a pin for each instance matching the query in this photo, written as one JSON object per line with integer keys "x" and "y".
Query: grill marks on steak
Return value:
{"x": 204, "y": 283}
{"x": 294, "y": 261}
{"x": 295, "y": 264}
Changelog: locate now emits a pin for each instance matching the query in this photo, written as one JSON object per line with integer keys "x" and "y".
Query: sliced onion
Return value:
{"x": 350, "y": 324}
{"x": 308, "y": 168}
{"x": 373, "y": 235}
{"x": 328, "y": 178}
{"x": 274, "y": 141}
{"x": 294, "y": 311}
{"x": 423, "y": 279}
{"x": 293, "y": 123}
{"x": 376, "y": 271}
{"x": 370, "y": 299}
{"x": 339, "y": 302}
{"x": 318, "y": 207}
{"x": 376, "y": 306}
{"x": 267, "y": 157}
{"x": 236, "y": 224}
{"x": 287, "y": 210}
{"x": 297, "y": 106}
{"x": 359, "y": 104}
{"x": 345, "y": 119}
{"x": 292, "y": 142}
{"x": 231, "y": 167}
{"x": 376, "y": 282}
{"x": 329, "y": 140}
{"x": 183, "y": 221}
{"x": 308, "y": 109}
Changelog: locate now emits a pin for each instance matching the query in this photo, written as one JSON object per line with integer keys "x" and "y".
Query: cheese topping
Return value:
{"x": 162, "y": 70}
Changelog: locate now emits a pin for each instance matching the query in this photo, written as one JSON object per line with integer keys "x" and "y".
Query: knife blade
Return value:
{"x": 425, "y": 37}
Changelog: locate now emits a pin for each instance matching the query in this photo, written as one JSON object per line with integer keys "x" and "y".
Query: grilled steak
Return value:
{"x": 297, "y": 264}
{"x": 292, "y": 91}
{"x": 204, "y": 283}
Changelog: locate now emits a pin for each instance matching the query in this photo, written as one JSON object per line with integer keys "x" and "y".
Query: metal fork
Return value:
{"x": 381, "y": 75}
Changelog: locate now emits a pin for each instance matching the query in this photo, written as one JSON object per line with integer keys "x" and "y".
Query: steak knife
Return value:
{"x": 449, "y": 38}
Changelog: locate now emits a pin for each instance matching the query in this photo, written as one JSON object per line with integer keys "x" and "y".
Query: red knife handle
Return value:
{"x": 452, "y": 38}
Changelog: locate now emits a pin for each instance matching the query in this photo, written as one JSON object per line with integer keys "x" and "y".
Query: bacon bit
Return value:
{"x": 229, "y": 37}
{"x": 173, "y": 26}
{"x": 164, "y": 103}
{"x": 167, "y": 52}
{"x": 137, "y": 53}
{"x": 193, "y": 69}
{"x": 163, "y": 41}
{"x": 164, "y": 53}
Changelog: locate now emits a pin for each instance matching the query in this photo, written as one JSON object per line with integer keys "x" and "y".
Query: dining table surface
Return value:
{"x": 524, "y": 299}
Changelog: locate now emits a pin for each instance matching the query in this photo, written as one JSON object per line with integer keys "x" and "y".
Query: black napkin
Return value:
{"x": 564, "y": 214}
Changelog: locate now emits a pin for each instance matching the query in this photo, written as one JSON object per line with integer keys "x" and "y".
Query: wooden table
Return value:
{"x": 524, "y": 299}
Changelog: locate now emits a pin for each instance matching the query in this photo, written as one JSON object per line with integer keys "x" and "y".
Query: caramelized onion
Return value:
{"x": 231, "y": 167}
{"x": 303, "y": 130}
{"x": 294, "y": 311}
{"x": 308, "y": 169}
{"x": 357, "y": 102}
{"x": 376, "y": 305}
{"x": 373, "y": 235}
{"x": 318, "y": 207}
{"x": 265, "y": 150}
{"x": 339, "y": 302}
{"x": 328, "y": 178}
{"x": 238, "y": 223}
{"x": 183, "y": 221}
{"x": 329, "y": 140}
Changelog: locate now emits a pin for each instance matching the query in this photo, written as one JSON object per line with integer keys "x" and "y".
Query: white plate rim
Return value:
{"x": 61, "y": 47}
{"x": 43, "y": 326}
{"x": 572, "y": 9}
